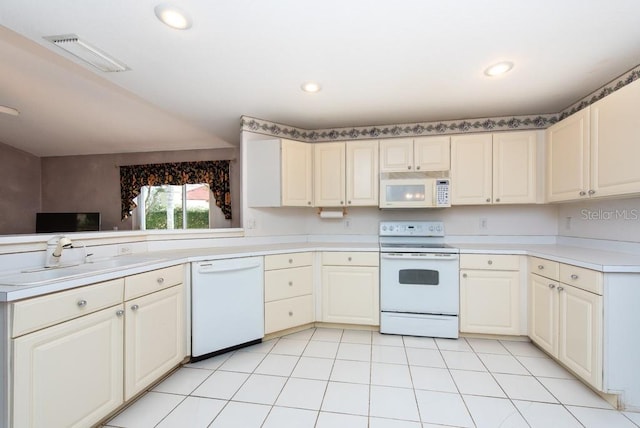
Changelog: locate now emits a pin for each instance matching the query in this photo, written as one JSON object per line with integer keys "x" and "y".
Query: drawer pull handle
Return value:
{"x": 290, "y": 313}
{"x": 290, "y": 261}
{"x": 464, "y": 275}
{"x": 82, "y": 303}
{"x": 574, "y": 276}
{"x": 582, "y": 193}
{"x": 541, "y": 267}
{"x": 290, "y": 283}
{"x": 560, "y": 288}
{"x": 119, "y": 313}
{"x": 135, "y": 307}
{"x": 349, "y": 259}
{"x": 160, "y": 280}
{"x": 490, "y": 262}
{"x": 552, "y": 286}
{"x": 488, "y": 199}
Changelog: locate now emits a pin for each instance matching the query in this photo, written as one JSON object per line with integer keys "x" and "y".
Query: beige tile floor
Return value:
{"x": 350, "y": 378}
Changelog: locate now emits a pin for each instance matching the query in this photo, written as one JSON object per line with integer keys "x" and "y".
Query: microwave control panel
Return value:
{"x": 442, "y": 193}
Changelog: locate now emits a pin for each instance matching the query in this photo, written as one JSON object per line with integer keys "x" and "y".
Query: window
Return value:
{"x": 189, "y": 206}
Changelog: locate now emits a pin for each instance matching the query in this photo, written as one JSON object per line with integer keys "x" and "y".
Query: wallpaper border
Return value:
{"x": 446, "y": 127}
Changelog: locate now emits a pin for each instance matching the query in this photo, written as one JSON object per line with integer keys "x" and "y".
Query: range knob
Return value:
{"x": 439, "y": 228}
{"x": 430, "y": 228}
{"x": 384, "y": 228}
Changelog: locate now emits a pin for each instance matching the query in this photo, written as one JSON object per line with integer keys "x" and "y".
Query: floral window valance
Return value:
{"x": 214, "y": 173}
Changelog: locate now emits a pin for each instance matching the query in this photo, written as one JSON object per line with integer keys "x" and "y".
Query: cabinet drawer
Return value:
{"x": 586, "y": 279}
{"x": 148, "y": 282}
{"x": 348, "y": 258}
{"x": 286, "y": 283}
{"x": 282, "y": 261}
{"x": 489, "y": 261}
{"x": 34, "y": 314}
{"x": 544, "y": 267}
{"x": 287, "y": 313}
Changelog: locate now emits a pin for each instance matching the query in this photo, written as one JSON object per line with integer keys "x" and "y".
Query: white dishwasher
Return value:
{"x": 227, "y": 304}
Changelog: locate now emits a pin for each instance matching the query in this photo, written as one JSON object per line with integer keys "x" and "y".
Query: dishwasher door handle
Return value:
{"x": 211, "y": 268}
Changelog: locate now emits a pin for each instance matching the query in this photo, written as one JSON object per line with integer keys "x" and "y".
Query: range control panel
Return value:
{"x": 411, "y": 228}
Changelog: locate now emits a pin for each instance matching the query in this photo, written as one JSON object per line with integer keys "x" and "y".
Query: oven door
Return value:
{"x": 422, "y": 283}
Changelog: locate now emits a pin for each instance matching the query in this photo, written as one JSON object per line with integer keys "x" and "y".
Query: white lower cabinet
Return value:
{"x": 566, "y": 320}
{"x": 350, "y": 288}
{"x": 490, "y": 294}
{"x": 75, "y": 361}
{"x": 69, "y": 375}
{"x": 288, "y": 291}
{"x": 154, "y": 337}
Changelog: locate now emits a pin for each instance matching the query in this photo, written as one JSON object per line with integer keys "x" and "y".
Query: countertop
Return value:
{"x": 600, "y": 260}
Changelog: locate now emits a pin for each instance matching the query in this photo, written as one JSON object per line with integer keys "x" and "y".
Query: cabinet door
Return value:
{"x": 514, "y": 167}
{"x": 615, "y": 143}
{"x": 154, "y": 337}
{"x": 568, "y": 158}
{"x": 471, "y": 169}
{"x": 543, "y": 313}
{"x": 69, "y": 375}
{"x": 362, "y": 173}
{"x": 489, "y": 302}
{"x": 350, "y": 295}
{"x": 396, "y": 155}
{"x": 329, "y": 174}
{"x": 297, "y": 178}
{"x": 432, "y": 153}
{"x": 580, "y": 346}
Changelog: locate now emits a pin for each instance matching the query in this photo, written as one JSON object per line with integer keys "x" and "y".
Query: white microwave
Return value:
{"x": 423, "y": 192}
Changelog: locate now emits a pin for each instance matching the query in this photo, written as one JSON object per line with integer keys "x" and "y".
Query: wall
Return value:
{"x": 19, "y": 190}
{"x": 612, "y": 219}
{"x": 92, "y": 183}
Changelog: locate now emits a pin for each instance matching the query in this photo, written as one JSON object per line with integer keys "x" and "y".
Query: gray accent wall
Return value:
{"x": 91, "y": 183}
{"x": 20, "y": 175}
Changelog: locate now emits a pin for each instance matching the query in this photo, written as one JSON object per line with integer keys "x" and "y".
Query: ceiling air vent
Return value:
{"x": 83, "y": 50}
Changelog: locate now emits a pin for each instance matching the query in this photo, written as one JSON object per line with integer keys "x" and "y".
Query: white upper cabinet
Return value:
{"x": 568, "y": 158}
{"x": 279, "y": 173}
{"x": 615, "y": 143}
{"x": 471, "y": 169}
{"x": 415, "y": 154}
{"x": 494, "y": 169}
{"x": 329, "y": 174}
{"x": 346, "y": 174}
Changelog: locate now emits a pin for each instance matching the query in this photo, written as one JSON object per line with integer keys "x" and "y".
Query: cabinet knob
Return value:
{"x": 135, "y": 307}
{"x": 497, "y": 199}
{"x": 82, "y": 303}
{"x": 290, "y": 283}
{"x": 408, "y": 166}
{"x": 488, "y": 199}
{"x": 541, "y": 267}
{"x": 574, "y": 276}
{"x": 308, "y": 202}
{"x": 341, "y": 203}
{"x": 464, "y": 275}
{"x": 560, "y": 288}
{"x": 160, "y": 280}
{"x": 290, "y": 313}
{"x": 418, "y": 167}
{"x": 348, "y": 258}
{"x": 349, "y": 202}
{"x": 490, "y": 262}
{"x": 591, "y": 192}
{"x": 290, "y": 261}
{"x": 582, "y": 193}
{"x": 552, "y": 286}
{"x": 119, "y": 313}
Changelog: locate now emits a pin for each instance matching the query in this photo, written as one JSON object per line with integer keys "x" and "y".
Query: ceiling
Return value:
{"x": 379, "y": 62}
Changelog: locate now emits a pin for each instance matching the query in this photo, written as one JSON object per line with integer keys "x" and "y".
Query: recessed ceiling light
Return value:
{"x": 173, "y": 17}
{"x": 9, "y": 110}
{"x": 311, "y": 87}
{"x": 499, "y": 68}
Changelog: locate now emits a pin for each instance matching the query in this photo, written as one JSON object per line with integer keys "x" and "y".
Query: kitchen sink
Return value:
{"x": 42, "y": 275}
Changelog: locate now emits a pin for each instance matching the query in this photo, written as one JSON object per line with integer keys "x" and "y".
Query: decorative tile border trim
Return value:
{"x": 491, "y": 124}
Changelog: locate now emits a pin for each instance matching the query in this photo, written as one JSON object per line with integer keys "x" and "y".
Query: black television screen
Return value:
{"x": 67, "y": 222}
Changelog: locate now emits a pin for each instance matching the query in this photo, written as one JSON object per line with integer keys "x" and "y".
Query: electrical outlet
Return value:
{"x": 483, "y": 223}
{"x": 347, "y": 223}
{"x": 251, "y": 223}
{"x": 124, "y": 249}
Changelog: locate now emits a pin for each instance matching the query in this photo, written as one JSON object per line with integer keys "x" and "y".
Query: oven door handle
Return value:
{"x": 419, "y": 256}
